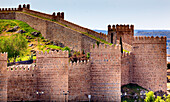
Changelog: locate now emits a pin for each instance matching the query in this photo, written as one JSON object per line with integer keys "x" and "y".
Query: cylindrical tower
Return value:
{"x": 105, "y": 73}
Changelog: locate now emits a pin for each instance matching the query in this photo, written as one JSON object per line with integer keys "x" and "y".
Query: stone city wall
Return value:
{"x": 52, "y": 72}
{"x": 79, "y": 81}
{"x": 3, "y": 77}
{"x": 105, "y": 73}
{"x": 149, "y": 63}
{"x": 7, "y": 15}
{"x": 126, "y": 68}
{"x": 22, "y": 83}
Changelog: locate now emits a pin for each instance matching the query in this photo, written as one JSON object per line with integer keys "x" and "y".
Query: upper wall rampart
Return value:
{"x": 26, "y": 8}
{"x": 20, "y": 8}
{"x": 8, "y": 9}
{"x": 48, "y": 16}
{"x": 121, "y": 28}
{"x": 149, "y": 40}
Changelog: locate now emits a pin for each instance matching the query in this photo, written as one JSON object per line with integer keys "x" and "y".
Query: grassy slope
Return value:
{"x": 37, "y": 42}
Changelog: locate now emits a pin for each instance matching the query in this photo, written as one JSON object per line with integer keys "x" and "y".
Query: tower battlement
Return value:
{"x": 121, "y": 28}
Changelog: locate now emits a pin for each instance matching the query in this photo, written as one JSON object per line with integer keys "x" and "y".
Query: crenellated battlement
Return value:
{"x": 22, "y": 68}
{"x": 121, "y": 28}
{"x": 20, "y": 8}
{"x": 8, "y": 9}
{"x": 52, "y": 54}
{"x": 26, "y": 8}
{"x": 125, "y": 54}
{"x": 49, "y": 16}
{"x": 144, "y": 39}
{"x": 104, "y": 47}
{"x": 80, "y": 63}
{"x": 3, "y": 56}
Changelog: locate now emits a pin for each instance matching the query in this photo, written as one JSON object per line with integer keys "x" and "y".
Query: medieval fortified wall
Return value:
{"x": 101, "y": 77}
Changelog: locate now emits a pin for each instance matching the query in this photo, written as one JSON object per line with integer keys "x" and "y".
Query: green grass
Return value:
{"x": 126, "y": 51}
{"x": 6, "y": 23}
{"x": 54, "y": 47}
{"x": 25, "y": 58}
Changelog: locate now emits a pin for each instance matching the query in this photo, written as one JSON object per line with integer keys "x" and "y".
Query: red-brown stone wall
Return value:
{"x": 64, "y": 35}
{"x": 22, "y": 84}
{"x": 149, "y": 63}
{"x": 52, "y": 72}
{"x": 3, "y": 77}
{"x": 126, "y": 68}
{"x": 86, "y": 42}
{"x": 79, "y": 81}
{"x": 106, "y": 73}
{"x": 82, "y": 29}
{"x": 7, "y": 15}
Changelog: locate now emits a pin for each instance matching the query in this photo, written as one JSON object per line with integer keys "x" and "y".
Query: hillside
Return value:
{"x": 33, "y": 39}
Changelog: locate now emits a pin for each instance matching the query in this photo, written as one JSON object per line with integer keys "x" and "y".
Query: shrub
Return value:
{"x": 150, "y": 97}
{"x": 88, "y": 55}
{"x": 14, "y": 45}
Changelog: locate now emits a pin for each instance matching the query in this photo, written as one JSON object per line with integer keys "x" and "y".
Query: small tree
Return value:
{"x": 14, "y": 45}
{"x": 150, "y": 98}
{"x": 88, "y": 55}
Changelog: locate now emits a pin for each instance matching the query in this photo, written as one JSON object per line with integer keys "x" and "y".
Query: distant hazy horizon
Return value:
{"x": 97, "y": 14}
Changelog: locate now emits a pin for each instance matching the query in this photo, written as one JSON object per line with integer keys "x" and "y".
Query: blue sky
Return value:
{"x": 97, "y": 14}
